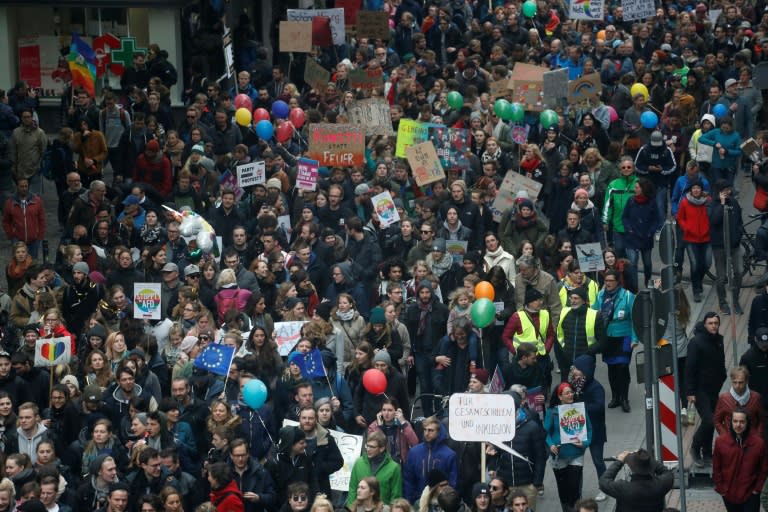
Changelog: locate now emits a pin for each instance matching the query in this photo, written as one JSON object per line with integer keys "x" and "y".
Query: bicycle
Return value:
{"x": 440, "y": 412}
{"x": 754, "y": 259}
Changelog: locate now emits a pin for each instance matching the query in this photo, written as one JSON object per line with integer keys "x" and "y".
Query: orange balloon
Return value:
{"x": 484, "y": 290}
{"x": 601, "y": 35}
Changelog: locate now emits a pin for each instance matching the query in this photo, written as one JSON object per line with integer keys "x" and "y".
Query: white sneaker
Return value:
{"x": 601, "y": 496}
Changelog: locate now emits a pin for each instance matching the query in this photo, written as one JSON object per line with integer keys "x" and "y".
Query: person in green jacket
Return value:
{"x": 618, "y": 194}
{"x": 376, "y": 462}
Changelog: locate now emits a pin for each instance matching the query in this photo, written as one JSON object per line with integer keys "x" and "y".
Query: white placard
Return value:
{"x": 350, "y": 446}
{"x": 481, "y": 417}
{"x": 384, "y": 206}
{"x": 287, "y": 334}
{"x": 53, "y": 351}
{"x": 251, "y": 174}
{"x": 590, "y": 257}
{"x": 147, "y": 304}
{"x": 572, "y": 420}
{"x": 638, "y": 9}
{"x": 581, "y": 10}
{"x": 713, "y": 14}
{"x": 336, "y": 16}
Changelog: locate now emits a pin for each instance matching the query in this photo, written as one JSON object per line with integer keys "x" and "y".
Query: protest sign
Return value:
{"x": 410, "y": 132}
{"x": 350, "y": 446}
{"x": 520, "y": 133}
{"x": 306, "y": 175}
{"x": 529, "y": 72}
{"x": 530, "y": 94}
{"x": 373, "y": 113}
{"x": 287, "y": 335}
{"x": 228, "y": 180}
{"x": 638, "y": 9}
{"x": 536, "y": 400}
{"x": 295, "y": 36}
{"x": 53, "y": 351}
{"x": 586, "y": 10}
{"x": 366, "y": 78}
{"x": 451, "y": 144}
{"x": 425, "y": 165}
{"x": 229, "y": 54}
{"x": 585, "y": 91}
{"x": 556, "y": 87}
{"x": 481, "y": 417}
{"x": 573, "y": 422}
{"x": 384, "y": 206}
{"x": 316, "y": 75}
{"x": 499, "y": 88}
{"x": 513, "y": 182}
{"x": 590, "y": 257}
{"x": 373, "y": 24}
{"x": 146, "y": 301}
{"x": 713, "y": 14}
{"x": 337, "y": 145}
{"x": 457, "y": 249}
{"x": 284, "y": 223}
{"x": 251, "y": 174}
{"x": 336, "y": 16}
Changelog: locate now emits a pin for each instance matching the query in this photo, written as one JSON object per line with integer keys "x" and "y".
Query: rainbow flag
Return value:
{"x": 82, "y": 64}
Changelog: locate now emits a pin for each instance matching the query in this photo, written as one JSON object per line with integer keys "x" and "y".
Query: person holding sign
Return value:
{"x": 567, "y": 454}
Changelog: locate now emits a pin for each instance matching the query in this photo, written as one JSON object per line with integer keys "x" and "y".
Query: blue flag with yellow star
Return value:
{"x": 216, "y": 358}
{"x": 311, "y": 363}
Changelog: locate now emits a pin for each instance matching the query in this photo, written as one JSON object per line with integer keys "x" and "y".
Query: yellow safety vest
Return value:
{"x": 529, "y": 334}
{"x": 590, "y": 327}
{"x": 592, "y": 291}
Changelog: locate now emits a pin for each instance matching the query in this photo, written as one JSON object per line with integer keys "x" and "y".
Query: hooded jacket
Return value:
{"x": 28, "y": 445}
{"x": 730, "y": 141}
{"x": 619, "y": 192}
{"x": 705, "y": 365}
{"x": 228, "y": 498}
{"x": 24, "y": 220}
{"x": 350, "y": 286}
{"x": 593, "y": 396}
{"x": 286, "y": 469}
{"x": 529, "y": 441}
{"x": 641, "y": 493}
{"x": 425, "y": 457}
{"x": 326, "y": 458}
{"x": 117, "y": 403}
{"x": 388, "y": 474}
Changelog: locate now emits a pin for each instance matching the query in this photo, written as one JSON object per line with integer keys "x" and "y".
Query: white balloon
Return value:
{"x": 190, "y": 226}
{"x": 204, "y": 241}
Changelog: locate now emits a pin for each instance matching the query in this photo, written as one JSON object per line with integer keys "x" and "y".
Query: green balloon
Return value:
{"x": 455, "y": 100}
{"x": 516, "y": 112}
{"x": 529, "y": 9}
{"x": 501, "y": 107}
{"x": 548, "y": 118}
{"x": 483, "y": 313}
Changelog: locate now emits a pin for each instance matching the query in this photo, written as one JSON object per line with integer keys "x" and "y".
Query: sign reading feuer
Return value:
{"x": 337, "y": 145}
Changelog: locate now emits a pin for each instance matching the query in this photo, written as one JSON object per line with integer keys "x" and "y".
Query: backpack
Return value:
{"x": 55, "y": 164}
{"x": 227, "y": 304}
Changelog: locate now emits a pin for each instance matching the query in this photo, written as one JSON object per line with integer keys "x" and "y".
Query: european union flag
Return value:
{"x": 311, "y": 363}
{"x": 216, "y": 358}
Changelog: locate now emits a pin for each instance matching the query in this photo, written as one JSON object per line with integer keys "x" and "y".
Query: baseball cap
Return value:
{"x": 92, "y": 393}
{"x": 730, "y": 82}
{"x": 170, "y": 267}
{"x": 361, "y": 189}
{"x": 191, "y": 269}
{"x": 422, "y": 62}
{"x": 657, "y": 139}
{"x": 130, "y": 199}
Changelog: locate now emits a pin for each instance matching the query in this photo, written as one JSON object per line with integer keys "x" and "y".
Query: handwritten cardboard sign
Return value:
{"x": 638, "y": 9}
{"x": 296, "y": 36}
{"x": 499, "y": 88}
{"x": 505, "y": 199}
{"x": 373, "y": 114}
{"x": 336, "y": 16}
{"x": 316, "y": 75}
{"x": 337, "y": 145}
{"x": 530, "y": 94}
{"x": 366, "y": 78}
{"x": 373, "y": 24}
{"x": 425, "y": 165}
{"x": 585, "y": 91}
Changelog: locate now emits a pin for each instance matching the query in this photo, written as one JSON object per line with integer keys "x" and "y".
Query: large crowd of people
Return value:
{"x": 132, "y": 423}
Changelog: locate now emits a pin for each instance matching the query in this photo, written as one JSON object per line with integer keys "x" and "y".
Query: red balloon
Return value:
{"x": 297, "y": 117}
{"x": 374, "y": 381}
{"x": 260, "y": 114}
{"x": 284, "y": 131}
{"x": 243, "y": 101}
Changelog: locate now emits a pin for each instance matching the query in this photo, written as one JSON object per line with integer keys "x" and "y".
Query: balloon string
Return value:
{"x": 385, "y": 395}
{"x": 265, "y": 427}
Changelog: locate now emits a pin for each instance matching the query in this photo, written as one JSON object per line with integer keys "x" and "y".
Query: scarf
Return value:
{"x": 641, "y": 199}
{"x": 740, "y": 399}
{"x": 16, "y": 270}
{"x": 696, "y": 202}
{"x": 487, "y": 157}
{"x": 530, "y": 165}
{"x": 440, "y": 267}
{"x": 345, "y": 316}
{"x": 577, "y": 383}
{"x": 525, "y": 222}
{"x": 609, "y": 304}
{"x": 588, "y": 206}
{"x": 424, "y": 311}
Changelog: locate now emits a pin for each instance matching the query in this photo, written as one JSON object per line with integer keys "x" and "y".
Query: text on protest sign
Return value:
{"x": 147, "y": 304}
{"x": 373, "y": 24}
{"x": 586, "y": 10}
{"x": 296, "y": 36}
{"x": 337, "y": 145}
{"x": 590, "y": 257}
{"x": 287, "y": 335}
{"x": 385, "y": 208}
{"x": 306, "y": 174}
{"x": 366, "y": 78}
{"x": 425, "y": 165}
{"x": 410, "y": 132}
{"x": 336, "y": 16}
{"x": 572, "y": 420}
{"x": 638, "y": 9}
{"x": 251, "y": 174}
{"x": 373, "y": 113}
{"x": 481, "y": 417}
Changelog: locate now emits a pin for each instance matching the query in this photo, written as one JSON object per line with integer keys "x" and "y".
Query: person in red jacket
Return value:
{"x": 153, "y": 168}
{"x": 739, "y": 465}
{"x": 225, "y": 495}
{"x": 24, "y": 217}
{"x": 739, "y": 395}
{"x": 693, "y": 219}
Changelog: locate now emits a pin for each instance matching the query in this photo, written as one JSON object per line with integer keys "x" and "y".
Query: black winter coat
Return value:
{"x": 641, "y": 493}
{"x": 529, "y": 441}
{"x": 705, "y": 365}
{"x": 257, "y": 479}
{"x": 756, "y": 362}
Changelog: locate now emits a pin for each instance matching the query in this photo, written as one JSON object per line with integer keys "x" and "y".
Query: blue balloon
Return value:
{"x": 264, "y": 129}
{"x": 280, "y": 109}
{"x": 719, "y": 110}
{"x": 649, "y": 120}
{"x": 255, "y": 393}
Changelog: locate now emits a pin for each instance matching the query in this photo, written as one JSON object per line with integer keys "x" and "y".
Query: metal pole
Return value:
{"x": 654, "y": 338}
{"x": 729, "y": 272}
{"x": 644, "y": 296}
{"x": 676, "y": 371}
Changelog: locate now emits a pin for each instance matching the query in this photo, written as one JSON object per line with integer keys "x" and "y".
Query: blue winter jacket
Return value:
{"x": 730, "y": 141}
{"x": 425, "y": 457}
{"x": 640, "y": 223}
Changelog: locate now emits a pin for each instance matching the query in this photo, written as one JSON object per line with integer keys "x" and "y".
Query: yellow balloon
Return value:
{"x": 639, "y": 88}
{"x": 243, "y": 116}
